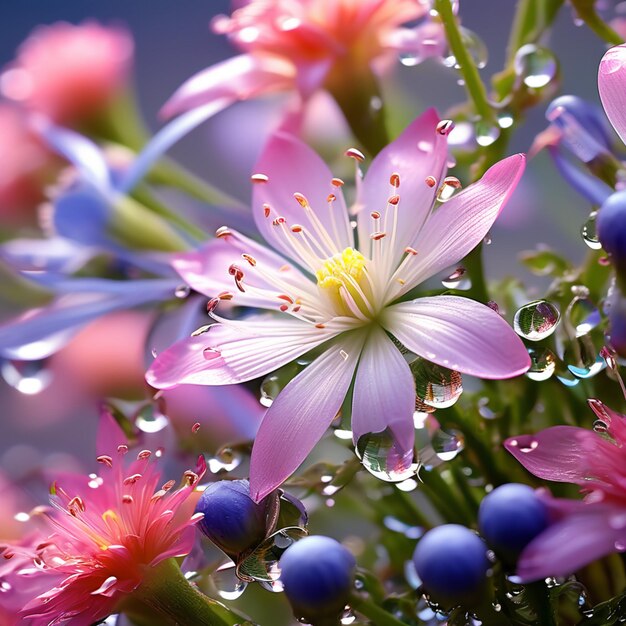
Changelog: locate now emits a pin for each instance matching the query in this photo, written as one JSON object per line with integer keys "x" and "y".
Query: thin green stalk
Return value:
{"x": 372, "y": 611}
{"x": 539, "y": 595}
{"x": 586, "y": 11}
{"x": 473, "y": 83}
{"x": 444, "y": 498}
{"x": 473, "y": 264}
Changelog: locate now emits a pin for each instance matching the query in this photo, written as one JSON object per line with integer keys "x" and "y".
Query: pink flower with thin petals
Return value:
{"x": 596, "y": 461}
{"x": 324, "y": 292}
{"x": 69, "y": 72}
{"x": 299, "y": 44}
{"x": 109, "y": 529}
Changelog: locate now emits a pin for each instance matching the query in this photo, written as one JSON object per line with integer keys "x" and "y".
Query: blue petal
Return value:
{"x": 78, "y": 150}
{"x": 166, "y": 138}
{"x": 79, "y": 302}
{"x": 55, "y": 254}
{"x": 588, "y": 186}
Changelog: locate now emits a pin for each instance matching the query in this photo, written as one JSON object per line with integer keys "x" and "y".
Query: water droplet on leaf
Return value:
{"x": 436, "y": 386}
{"x": 536, "y": 320}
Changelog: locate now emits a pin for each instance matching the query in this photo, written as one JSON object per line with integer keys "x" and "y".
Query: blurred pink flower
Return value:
{"x": 27, "y": 167}
{"x": 352, "y": 303}
{"x": 68, "y": 72}
{"x": 299, "y": 44}
{"x": 108, "y": 530}
{"x": 596, "y": 461}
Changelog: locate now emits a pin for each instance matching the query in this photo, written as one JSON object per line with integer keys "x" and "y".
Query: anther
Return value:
{"x": 259, "y": 178}
{"x": 431, "y": 181}
{"x": 122, "y": 448}
{"x": 105, "y": 459}
{"x": 377, "y": 236}
{"x": 394, "y": 180}
{"x": 320, "y": 325}
{"x": 296, "y": 308}
{"x": 337, "y": 182}
{"x": 249, "y": 258}
{"x": 237, "y": 274}
{"x": 284, "y": 296}
{"x": 410, "y": 250}
{"x": 296, "y": 228}
{"x": 302, "y": 201}
{"x": 355, "y": 154}
{"x": 126, "y": 499}
{"x": 168, "y": 485}
{"x": 143, "y": 455}
{"x": 191, "y": 478}
{"x": 223, "y": 231}
{"x": 284, "y": 307}
{"x": 375, "y": 215}
{"x": 212, "y": 305}
{"x": 225, "y": 295}
{"x": 131, "y": 480}
{"x": 331, "y": 197}
{"x": 394, "y": 200}
{"x": 195, "y": 428}
{"x": 267, "y": 210}
{"x": 445, "y": 127}
{"x": 76, "y": 504}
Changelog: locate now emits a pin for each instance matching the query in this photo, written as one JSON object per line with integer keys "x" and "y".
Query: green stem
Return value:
{"x": 168, "y": 592}
{"x": 539, "y": 596}
{"x": 378, "y": 616}
{"x": 473, "y": 264}
{"x": 586, "y": 11}
{"x": 473, "y": 83}
{"x": 523, "y": 24}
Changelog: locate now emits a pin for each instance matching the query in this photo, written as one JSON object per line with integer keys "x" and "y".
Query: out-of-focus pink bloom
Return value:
{"x": 299, "y": 44}
{"x": 109, "y": 530}
{"x": 27, "y": 167}
{"x": 612, "y": 87}
{"x": 596, "y": 461}
{"x": 352, "y": 304}
{"x": 68, "y": 72}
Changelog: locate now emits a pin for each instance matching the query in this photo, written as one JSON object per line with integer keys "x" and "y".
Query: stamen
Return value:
{"x": 259, "y": 178}
{"x": 301, "y": 199}
{"x": 131, "y": 480}
{"x": 191, "y": 478}
{"x": 375, "y": 215}
{"x": 337, "y": 182}
{"x": 168, "y": 485}
{"x": 249, "y": 258}
{"x": 105, "y": 459}
{"x": 75, "y": 505}
{"x": 296, "y": 228}
{"x": 444, "y": 127}
{"x": 355, "y": 154}
{"x": 377, "y": 236}
{"x": 237, "y": 273}
{"x": 410, "y": 250}
{"x": 394, "y": 200}
{"x": 394, "y": 180}
{"x": 143, "y": 455}
{"x": 223, "y": 231}
{"x": 267, "y": 210}
{"x": 127, "y": 499}
{"x": 431, "y": 181}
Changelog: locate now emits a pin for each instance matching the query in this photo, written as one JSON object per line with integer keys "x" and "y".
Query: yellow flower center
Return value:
{"x": 343, "y": 278}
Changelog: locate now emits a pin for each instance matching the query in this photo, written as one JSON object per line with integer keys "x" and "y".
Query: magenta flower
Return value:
{"x": 305, "y": 45}
{"x": 611, "y": 85}
{"x": 596, "y": 461}
{"x": 109, "y": 530}
{"x": 322, "y": 292}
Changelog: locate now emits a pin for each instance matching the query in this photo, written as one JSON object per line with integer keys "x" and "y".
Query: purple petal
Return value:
{"x": 611, "y": 85}
{"x": 234, "y": 353}
{"x": 558, "y": 453}
{"x": 239, "y": 78}
{"x": 301, "y": 414}
{"x": 420, "y": 151}
{"x": 53, "y": 254}
{"x": 110, "y": 434}
{"x": 460, "y": 334}
{"x": 292, "y": 167}
{"x": 384, "y": 392}
{"x": 85, "y": 155}
{"x": 206, "y": 271}
{"x": 571, "y": 543}
{"x": 460, "y": 224}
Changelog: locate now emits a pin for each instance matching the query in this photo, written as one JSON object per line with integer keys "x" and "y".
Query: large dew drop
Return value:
{"x": 149, "y": 419}
{"x": 474, "y": 45}
{"x": 447, "y": 444}
{"x": 228, "y": 585}
{"x": 542, "y": 364}
{"x": 27, "y": 377}
{"x": 536, "y": 320}
{"x": 382, "y": 457}
{"x": 535, "y": 65}
{"x": 589, "y": 232}
{"x": 436, "y": 386}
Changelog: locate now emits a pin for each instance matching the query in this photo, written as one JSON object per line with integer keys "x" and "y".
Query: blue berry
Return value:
{"x": 232, "y": 520}
{"x": 317, "y": 573}
{"x": 452, "y": 563}
{"x": 510, "y": 517}
{"x": 611, "y": 226}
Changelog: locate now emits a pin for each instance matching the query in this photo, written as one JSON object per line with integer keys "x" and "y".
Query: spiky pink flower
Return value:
{"x": 109, "y": 530}
{"x": 69, "y": 72}
{"x": 596, "y": 461}
{"x": 346, "y": 299}
{"x": 298, "y": 44}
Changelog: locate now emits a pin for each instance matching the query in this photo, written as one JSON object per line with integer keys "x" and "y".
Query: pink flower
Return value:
{"x": 596, "y": 461}
{"x": 345, "y": 299}
{"x": 611, "y": 85}
{"x": 27, "y": 167}
{"x": 108, "y": 530}
{"x": 300, "y": 44}
{"x": 69, "y": 72}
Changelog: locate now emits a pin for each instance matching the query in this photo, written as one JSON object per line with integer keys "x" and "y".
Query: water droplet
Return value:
{"x": 228, "y": 585}
{"x": 457, "y": 280}
{"x": 447, "y": 188}
{"x": 27, "y": 377}
{"x": 226, "y": 459}
{"x": 398, "y": 526}
{"x": 447, "y": 445}
{"x": 149, "y": 419}
{"x": 486, "y": 133}
{"x": 589, "y": 232}
{"x": 535, "y": 65}
{"x": 525, "y": 443}
{"x": 409, "y": 59}
{"x": 347, "y": 617}
{"x": 474, "y": 45}
{"x": 536, "y": 320}
{"x": 210, "y": 353}
{"x": 382, "y": 457}
{"x": 436, "y": 386}
{"x": 182, "y": 291}
{"x": 274, "y": 383}
{"x": 410, "y": 484}
{"x": 505, "y": 119}
{"x": 542, "y": 364}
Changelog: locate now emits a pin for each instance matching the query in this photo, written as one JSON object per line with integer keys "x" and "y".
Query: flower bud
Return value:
{"x": 452, "y": 563}
{"x": 317, "y": 573}
{"x": 232, "y": 520}
{"x": 510, "y": 517}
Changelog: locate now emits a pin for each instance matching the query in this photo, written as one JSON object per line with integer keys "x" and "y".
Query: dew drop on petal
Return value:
{"x": 182, "y": 291}
{"x": 457, "y": 280}
{"x": 436, "y": 386}
{"x": 589, "y": 232}
{"x": 536, "y": 320}
{"x": 535, "y": 65}
{"x": 382, "y": 457}
{"x": 542, "y": 364}
{"x": 447, "y": 188}
{"x": 27, "y": 377}
{"x": 228, "y": 585}
{"x": 447, "y": 444}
